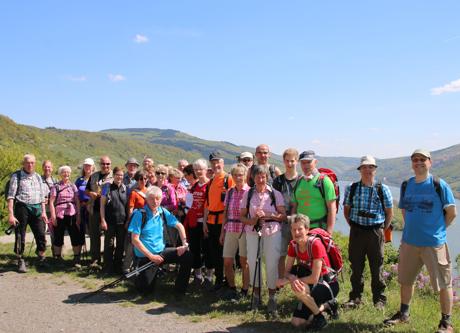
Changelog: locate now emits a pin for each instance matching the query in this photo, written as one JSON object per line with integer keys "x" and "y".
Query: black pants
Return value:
{"x": 321, "y": 292}
{"x": 77, "y": 236}
{"x": 26, "y": 216}
{"x": 198, "y": 246}
{"x": 215, "y": 251}
{"x": 370, "y": 243}
{"x": 145, "y": 281}
{"x": 114, "y": 241}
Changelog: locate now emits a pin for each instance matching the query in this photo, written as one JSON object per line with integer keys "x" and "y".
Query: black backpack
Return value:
{"x": 251, "y": 192}
{"x": 166, "y": 236}
{"x": 208, "y": 186}
{"x": 7, "y": 184}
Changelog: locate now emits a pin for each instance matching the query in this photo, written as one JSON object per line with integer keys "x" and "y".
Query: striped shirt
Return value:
{"x": 65, "y": 198}
{"x": 233, "y": 209}
{"x": 32, "y": 190}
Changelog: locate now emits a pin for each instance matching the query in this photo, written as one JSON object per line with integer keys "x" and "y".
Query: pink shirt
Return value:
{"x": 263, "y": 201}
{"x": 65, "y": 199}
{"x": 233, "y": 209}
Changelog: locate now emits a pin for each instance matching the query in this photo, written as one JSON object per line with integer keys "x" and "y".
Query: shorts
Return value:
{"x": 233, "y": 243}
{"x": 436, "y": 259}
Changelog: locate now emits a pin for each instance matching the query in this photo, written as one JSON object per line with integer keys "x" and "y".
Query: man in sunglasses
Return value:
{"x": 428, "y": 208}
{"x": 94, "y": 189}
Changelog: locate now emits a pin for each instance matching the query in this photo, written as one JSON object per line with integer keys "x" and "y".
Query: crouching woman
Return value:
{"x": 146, "y": 230}
{"x": 310, "y": 279}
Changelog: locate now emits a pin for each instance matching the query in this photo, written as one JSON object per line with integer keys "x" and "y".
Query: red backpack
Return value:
{"x": 333, "y": 177}
{"x": 332, "y": 249}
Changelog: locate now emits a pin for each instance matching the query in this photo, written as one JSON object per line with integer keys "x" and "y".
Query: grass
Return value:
{"x": 200, "y": 305}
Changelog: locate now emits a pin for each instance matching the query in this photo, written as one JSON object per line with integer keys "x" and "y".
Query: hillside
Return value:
{"x": 168, "y": 145}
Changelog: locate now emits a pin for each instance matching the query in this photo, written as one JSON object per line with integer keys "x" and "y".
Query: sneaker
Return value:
{"x": 272, "y": 307}
{"x": 318, "y": 323}
{"x": 333, "y": 309}
{"x": 445, "y": 327}
{"x": 352, "y": 303}
{"x": 22, "y": 268}
{"x": 397, "y": 318}
{"x": 77, "y": 263}
{"x": 255, "y": 302}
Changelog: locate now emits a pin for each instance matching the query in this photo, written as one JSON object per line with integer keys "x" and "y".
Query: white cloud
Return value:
{"x": 81, "y": 78}
{"x": 116, "y": 77}
{"x": 316, "y": 141}
{"x": 453, "y": 86}
{"x": 140, "y": 39}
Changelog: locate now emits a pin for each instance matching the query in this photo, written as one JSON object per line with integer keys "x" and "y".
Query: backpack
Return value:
{"x": 7, "y": 184}
{"x": 209, "y": 186}
{"x": 320, "y": 184}
{"x": 251, "y": 192}
{"x": 436, "y": 184}
{"x": 378, "y": 186}
{"x": 332, "y": 249}
{"x": 144, "y": 222}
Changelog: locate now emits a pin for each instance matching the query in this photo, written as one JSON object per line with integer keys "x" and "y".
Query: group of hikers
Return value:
{"x": 203, "y": 219}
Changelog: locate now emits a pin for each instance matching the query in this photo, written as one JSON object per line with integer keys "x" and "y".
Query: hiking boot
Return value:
{"x": 22, "y": 268}
{"x": 333, "y": 309}
{"x": 445, "y": 327}
{"x": 207, "y": 284}
{"x": 272, "y": 307}
{"x": 255, "y": 302}
{"x": 397, "y": 318}
{"x": 95, "y": 265}
{"x": 231, "y": 294}
{"x": 352, "y": 303}
{"x": 318, "y": 323}
{"x": 380, "y": 305}
{"x": 42, "y": 263}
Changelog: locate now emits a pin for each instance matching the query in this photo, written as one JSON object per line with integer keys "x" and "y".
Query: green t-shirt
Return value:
{"x": 308, "y": 197}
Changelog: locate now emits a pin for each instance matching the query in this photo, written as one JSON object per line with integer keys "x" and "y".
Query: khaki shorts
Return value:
{"x": 233, "y": 243}
{"x": 436, "y": 260}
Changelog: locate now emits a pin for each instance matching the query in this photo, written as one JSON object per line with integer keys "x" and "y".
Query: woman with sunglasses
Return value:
{"x": 168, "y": 201}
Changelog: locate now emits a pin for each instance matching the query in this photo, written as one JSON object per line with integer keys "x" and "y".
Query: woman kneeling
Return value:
{"x": 311, "y": 279}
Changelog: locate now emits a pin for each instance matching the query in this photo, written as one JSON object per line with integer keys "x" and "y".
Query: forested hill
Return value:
{"x": 167, "y": 146}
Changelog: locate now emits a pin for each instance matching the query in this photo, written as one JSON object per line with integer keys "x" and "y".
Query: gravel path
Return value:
{"x": 45, "y": 303}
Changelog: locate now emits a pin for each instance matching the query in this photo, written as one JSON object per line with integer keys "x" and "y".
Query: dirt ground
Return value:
{"x": 42, "y": 302}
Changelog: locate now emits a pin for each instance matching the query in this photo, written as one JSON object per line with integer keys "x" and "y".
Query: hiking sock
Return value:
{"x": 445, "y": 317}
{"x": 404, "y": 308}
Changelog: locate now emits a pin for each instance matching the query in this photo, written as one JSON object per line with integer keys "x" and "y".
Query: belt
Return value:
{"x": 234, "y": 220}
{"x": 367, "y": 227}
{"x": 216, "y": 213}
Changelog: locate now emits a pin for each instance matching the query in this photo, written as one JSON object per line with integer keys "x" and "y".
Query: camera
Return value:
{"x": 10, "y": 229}
{"x": 364, "y": 213}
{"x": 257, "y": 226}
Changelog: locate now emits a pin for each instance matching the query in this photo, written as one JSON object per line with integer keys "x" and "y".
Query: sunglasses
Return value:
{"x": 246, "y": 160}
{"x": 422, "y": 159}
{"x": 160, "y": 173}
{"x": 106, "y": 163}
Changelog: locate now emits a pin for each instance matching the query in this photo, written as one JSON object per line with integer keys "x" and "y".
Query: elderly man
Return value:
{"x": 128, "y": 178}
{"x": 314, "y": 194}
{"x": 146, "y": 230}
{"x": 368, "y": 209}
{"x": 26, "y": 206}
{"x": 94, "y": 190}
{"x": 262, "y": 156}
{"x": 428, "y": 208}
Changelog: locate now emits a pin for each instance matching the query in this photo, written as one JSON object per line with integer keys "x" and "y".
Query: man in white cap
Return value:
{"x": 428, "y": 208}
{"x": 368, "y": 209}
{"x": 131, "y": 168}
{"x": 247, "y": 159}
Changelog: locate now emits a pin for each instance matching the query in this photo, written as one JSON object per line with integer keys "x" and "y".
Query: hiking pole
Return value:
{"x": 31, "y": 245}
{"x": 117, "y": 281}
{"x": 257, "y": 267}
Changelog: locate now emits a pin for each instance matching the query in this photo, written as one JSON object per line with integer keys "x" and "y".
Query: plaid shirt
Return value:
{"x": 65, "y": 200}
{"x": 32, "y": 190}
{"x": 233, "y": 209}
{"x": 367, "y": 199}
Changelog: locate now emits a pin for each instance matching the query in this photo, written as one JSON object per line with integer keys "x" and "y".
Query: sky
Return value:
{"x": 343, "y": 78}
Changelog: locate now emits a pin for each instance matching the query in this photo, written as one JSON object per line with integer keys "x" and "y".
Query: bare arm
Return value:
{"x": 346, "y": 213}
{"x": 157, "y": 259}
{"x": 388, "y": 217}
{"x": 11, "y": 218}
{"x": 102, "y": 212}
{"x": 331, "y": 213}
{"x": 451, "y": 213}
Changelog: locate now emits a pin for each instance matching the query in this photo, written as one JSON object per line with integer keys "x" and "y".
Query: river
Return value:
{"x": 453, "y": 232}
